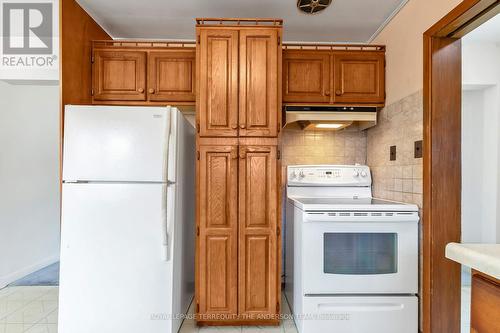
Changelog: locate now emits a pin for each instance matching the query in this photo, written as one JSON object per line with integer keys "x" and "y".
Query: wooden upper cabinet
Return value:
{"x": 306, "y": 76}
{"x": 359, "y": 77}
{"x": 259, "y": 97}
{"x": 218, "y": 82}
{"x": 119, "y": 75}
{"x": 258, "y": 251}
{"x": 218, "y": 229}
{"x": 171, "y": 76}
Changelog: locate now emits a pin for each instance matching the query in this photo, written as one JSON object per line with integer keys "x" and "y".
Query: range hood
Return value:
{"x": 330, "y": 117}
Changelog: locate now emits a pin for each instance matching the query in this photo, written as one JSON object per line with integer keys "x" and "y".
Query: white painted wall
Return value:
{"x": 404, "y": 41}
{"x": 480, "y": 142}
{"x": 29, "y": 179}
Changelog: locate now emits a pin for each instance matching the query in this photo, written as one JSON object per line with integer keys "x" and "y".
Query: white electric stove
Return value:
{"x": 351, "y": 261}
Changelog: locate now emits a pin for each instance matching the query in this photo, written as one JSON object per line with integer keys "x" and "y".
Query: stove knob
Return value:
{"x": 301, "y": 175}
{"x": 355, "y": 173}
{"x": 293, "y": 175}
{"x": 363, "y": 174}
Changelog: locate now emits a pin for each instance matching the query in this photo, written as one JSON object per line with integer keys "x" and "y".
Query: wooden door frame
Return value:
{"x": 442, "y": 161}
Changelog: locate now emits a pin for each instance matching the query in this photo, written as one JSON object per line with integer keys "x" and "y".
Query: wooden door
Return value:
{"x": 217, "y": 257}
{"x": 258, "y": 252}
{"x": 171, "y": 76}
{"x": 306, "y": 77}
{"x": 259, "y": 103}
{"x": 218, "y": 82}
{"x": 119, "y": 75}
{"x": 359, "y": 77}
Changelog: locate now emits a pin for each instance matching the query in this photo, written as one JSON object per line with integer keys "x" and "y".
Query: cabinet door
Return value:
{"x": 172, "y": 76}
{"x": 218, "y": 82}
{"x": 217, "y": 257}
{"x": 359, "y": 77}
{"x": 485, "y": 304}
{"x": 258, "y": 252}
{"x": 259, "y": 101}
{"x": 306, "y": 77}
{"x": 119, "y": 75}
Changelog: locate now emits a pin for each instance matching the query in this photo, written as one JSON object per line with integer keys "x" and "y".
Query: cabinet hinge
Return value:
{"x": 278, "y": 154}
{"x": 198, "y": 39}
{"x": 198, "y": 155}
{"x": 197, "y": 307}
{"x": 278, "y": 231}
{"x": 198, "y": 127}
{"x": 92, "y": 59}
{"x": 91, "y": 92}
{"x": 279, "y": 40}
{"x": 278, "y": 307}
{"x": 197, "y": 231}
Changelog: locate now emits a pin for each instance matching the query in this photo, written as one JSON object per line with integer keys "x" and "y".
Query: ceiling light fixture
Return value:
{"x": 313, "y": 6}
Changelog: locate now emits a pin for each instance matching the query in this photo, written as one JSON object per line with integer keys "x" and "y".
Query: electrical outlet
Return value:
{"x": 418, "y": 149}
{"x": 392, "y": 153}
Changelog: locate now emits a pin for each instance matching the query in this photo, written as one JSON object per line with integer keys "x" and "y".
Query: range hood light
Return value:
{"x": 330, "y": 126}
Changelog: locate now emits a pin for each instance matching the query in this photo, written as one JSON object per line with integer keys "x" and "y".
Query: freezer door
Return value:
{"x": 110, "y": 143}
{"x": 114, "y": 277}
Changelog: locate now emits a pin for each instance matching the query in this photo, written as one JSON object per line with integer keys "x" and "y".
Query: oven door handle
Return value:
{"x": 360, "y": 307}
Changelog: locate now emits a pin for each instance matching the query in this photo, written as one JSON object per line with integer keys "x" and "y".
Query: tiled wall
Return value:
{"x": 323, "y": 147}
{"x": 399, "y": 124}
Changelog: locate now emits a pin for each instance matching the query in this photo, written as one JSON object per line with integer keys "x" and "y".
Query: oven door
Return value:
{"x": 360, "y": 253}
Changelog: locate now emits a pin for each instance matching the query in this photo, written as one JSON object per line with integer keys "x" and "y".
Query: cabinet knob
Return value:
{"x": 327, "y": 93}
{"x": 234, "y": 126}
{"x": 242, "y": 126}
{"x": 338, "y": 92}
{"x": 151, "y": 91}
{"x": 141, "y": 90}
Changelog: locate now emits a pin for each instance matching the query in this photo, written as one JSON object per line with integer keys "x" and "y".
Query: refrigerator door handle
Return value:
{"x": 164, "y": 224}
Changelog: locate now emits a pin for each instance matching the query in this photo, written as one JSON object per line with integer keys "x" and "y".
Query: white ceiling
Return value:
{"x": 488, "y": 31}
{"x": 354, "y": 21}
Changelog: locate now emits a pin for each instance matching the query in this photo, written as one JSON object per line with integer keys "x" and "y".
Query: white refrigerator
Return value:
{"x": 128, "y": 210}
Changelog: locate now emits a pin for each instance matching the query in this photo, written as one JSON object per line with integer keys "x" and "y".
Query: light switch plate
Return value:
{"x": 418, "y": 149}
{"x": 392, "y": 153}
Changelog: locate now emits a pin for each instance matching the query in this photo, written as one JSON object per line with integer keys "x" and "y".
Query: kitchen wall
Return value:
{"x": 403, "y": 38}
{"x": 29, "y": 178}
{"x": 323, "y": 147}
{"x": 401, "y": 121}
{"x": 400, "y": 124}
{"x": 480, "y": 141}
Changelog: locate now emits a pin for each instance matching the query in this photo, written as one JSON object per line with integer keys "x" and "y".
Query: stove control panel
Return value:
{"x": 329, "y": 175}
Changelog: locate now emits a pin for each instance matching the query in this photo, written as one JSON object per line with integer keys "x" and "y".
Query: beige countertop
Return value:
{"x": 484, "y": 258}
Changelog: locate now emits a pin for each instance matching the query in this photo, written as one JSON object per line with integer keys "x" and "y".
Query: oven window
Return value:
{"x": 360, "y": 253}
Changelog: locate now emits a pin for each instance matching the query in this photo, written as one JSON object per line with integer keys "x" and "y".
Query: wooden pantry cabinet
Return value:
{"x": 239, "y": 71}
{"x": 238, "y": 179}
{"x": 238, "y": 233}
{"x": 337, "y": 77}
{"x": 133, "y": 73}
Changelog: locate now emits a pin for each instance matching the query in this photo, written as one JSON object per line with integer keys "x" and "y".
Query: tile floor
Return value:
{"x": 287, "y": 325}
{"x": 34, "y": 310}
{"x": 28, "y": 309}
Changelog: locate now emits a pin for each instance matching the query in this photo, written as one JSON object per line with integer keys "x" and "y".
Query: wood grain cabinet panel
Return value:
{"x": 217, "y": 259}
{"x": 218, "y": 82}
{"x": 171, "y": 76}
{"x": 306, "y": 77}
{"x": 485, "y": 304}
{"x": 359, "y": 77}
{"x": 119, "y": 75}
{"x": 258, "y": 203}
{"x": 259, "y": 104}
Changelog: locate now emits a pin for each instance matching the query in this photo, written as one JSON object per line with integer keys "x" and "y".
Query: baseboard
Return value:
{"x": 14, "y": 276}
